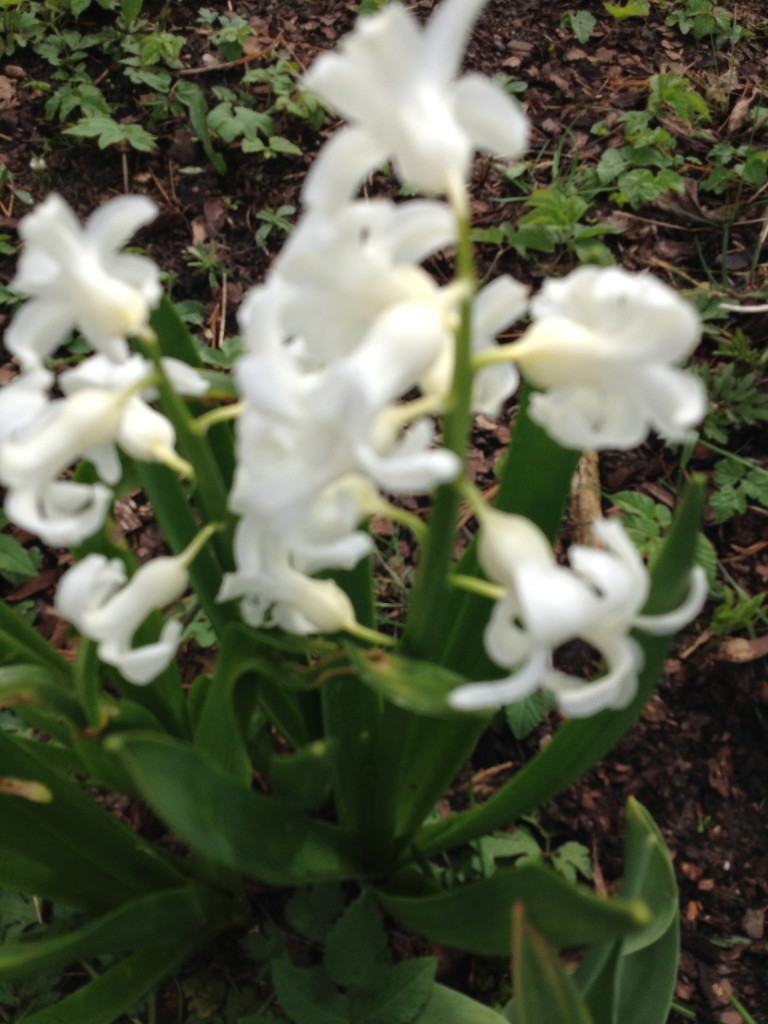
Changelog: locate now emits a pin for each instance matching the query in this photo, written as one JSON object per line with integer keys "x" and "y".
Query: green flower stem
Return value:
{"x": 210, "y": 489}
{"x": 223, "y": 414}
{"x": 411, "y": 757}
{"x": 493, "y": 356}
{"x": 474, "y": 585}
{"x": 424, "y": 626}
{"x": 179, "y": 526}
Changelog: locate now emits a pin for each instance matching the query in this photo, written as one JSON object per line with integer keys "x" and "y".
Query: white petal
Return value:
{"x": 446, "y": 36}
{"x": 37, "y": 329}
{"x": 579, "y": 698}
{"x": 479, "y": 696}
{"x": 112, "y": 225}
{"x": 61, "y": 513}
{"x": 492, "y": 119}
{"x": 140, "y": 665}
{"x": 676, "y": 401}
{"x": 341, "y": 165}
{"x": 505, "y": 541}
{"x": 671, "y": 622}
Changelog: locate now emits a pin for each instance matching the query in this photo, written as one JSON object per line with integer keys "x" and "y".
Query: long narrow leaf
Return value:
{"x": 544, "y": 991}
{"x": 148, "y": 922}
{"x": 19, "y": 642}
{"x": 477, "y": 917}
{"x": 116, "y": 990}
{"x": 70, "y": 850}
{"x": 446, "y": 1006}
{"x": 229, "y": 823}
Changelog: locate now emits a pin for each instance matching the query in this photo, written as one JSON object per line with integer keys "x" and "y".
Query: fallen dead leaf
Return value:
{"x": 738, "y": 649}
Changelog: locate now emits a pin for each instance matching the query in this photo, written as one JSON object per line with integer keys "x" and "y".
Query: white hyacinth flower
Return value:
{"x": 603, "y": 347}
{"x": 338, "y": 272}
{"x": 59, "y": 512}
{"x": 76, "y": 278}
{"x": 301, "y": 432}
{"x": 396, "y": 83}
{"x": 274, "y": 593}
{"x": 545, "y": 605}
{"x": 40, "y": 439}
{"x": 95, "y": 596}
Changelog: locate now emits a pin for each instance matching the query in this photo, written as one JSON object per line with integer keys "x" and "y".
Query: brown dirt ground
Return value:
{"x": 698, "y": 757}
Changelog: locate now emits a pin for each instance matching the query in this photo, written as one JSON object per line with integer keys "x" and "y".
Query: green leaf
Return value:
{"x": 130, "y": 9}
{"x": 15, "y": 559}
{"x": 149, "y": 921}
{"x": 357, "y": 950}
{"x": 192, "y": 97}
{"x": 477, "y": 917}
{"x": 117, "y": 989}
{"x": 582, "y": 25}
{"x": 244, "y": 673}
{"x": 650, "y": 875}
{"x": 446, "y": 1006}
{"x": 633, "y": 981}
{"x": 523, "y": 717}
{"x": 631, "y": 9}
{"x": 398, "y": 995}
{"x": 280, "y": 145}
{"x": 208, "y": 808}
{"x": 32, "y": 686}
{"x": 572, "y": 859}
{"x": 407, "y": 682}
{"x": 544, "y": 991}
{"x": 307, "y": 996}
{"x": 303, "y": 779}
{"x": 109, "y": 132}
{"x": 311, "y": 912}
{"x": 70, "y": 850}
{"x": 19, "y": 642}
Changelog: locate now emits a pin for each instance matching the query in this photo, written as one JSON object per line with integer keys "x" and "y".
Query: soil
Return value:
{"x": 698, "y": 757}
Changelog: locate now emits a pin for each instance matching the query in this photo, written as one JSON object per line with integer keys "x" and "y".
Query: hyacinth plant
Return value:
{"x": 359, "y": 381}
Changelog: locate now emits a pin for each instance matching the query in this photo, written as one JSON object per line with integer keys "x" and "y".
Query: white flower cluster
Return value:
{"x": 77, "y": 279}
{"x": 348, "y": 322}
{"x": 350, "y": 349}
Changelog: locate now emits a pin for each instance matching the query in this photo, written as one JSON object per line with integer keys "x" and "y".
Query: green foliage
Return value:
{"x": 737, "y": 611}
{"x": 706, "y": 19}
{"x": 17, "y": 563}
{"x": 646, "y": 521}
{"x": 357, "y": 980}
{"x": 109, "y": 132}
{"x": 206, "y": 260}
{"x": 631, "y": 9}
{"x": 554, "y": 219}
{"x": 736, "y": 485}
{"x": 670, "y": 91}
{"x": 737, "y": 399}
{"x": 274, "y": 221}
{"x": 148, "y": 54}
{"x": 581, "y": 23}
